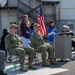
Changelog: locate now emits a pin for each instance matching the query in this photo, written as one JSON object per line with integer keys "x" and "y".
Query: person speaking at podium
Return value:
{"x": 66, "y": 30}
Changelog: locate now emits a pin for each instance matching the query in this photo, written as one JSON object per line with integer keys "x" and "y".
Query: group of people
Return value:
{"x": 15, "y": 45}
{"x": 30, "y": 42}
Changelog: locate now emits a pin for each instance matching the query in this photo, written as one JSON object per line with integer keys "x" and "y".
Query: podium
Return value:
{"x": 63, "y": 46}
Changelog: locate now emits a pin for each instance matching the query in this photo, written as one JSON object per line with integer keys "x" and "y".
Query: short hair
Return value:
{"x": 13, "y": 26}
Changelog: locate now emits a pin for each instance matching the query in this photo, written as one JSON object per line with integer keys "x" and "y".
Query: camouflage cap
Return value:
{"x": 13, "y": 26}
{"x": 36, "y": 25}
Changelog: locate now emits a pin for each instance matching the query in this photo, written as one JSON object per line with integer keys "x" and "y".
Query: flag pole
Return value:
{"x": 41, "y": 2}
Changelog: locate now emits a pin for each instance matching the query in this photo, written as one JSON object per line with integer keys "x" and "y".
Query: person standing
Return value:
{"x": 2, "y": 61}
{"x": 14, "y": 45}
{"x": 25, "y": 30}
{"x": 52, "y": 31}
{"x": 37, "y": 43}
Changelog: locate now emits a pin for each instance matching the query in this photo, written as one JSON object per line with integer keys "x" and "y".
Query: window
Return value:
{"x": 71, "y": 26}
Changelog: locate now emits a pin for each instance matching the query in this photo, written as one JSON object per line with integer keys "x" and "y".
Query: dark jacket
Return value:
{"x": 3, "y": 39}
{"x": 24, "y": 29}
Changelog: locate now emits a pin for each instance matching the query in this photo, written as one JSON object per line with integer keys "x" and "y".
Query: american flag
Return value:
{"x": 41, "y": 22}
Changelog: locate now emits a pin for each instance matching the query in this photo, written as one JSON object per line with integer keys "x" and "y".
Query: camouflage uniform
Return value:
{"x": 12, "y": 43}
{"x": 37, "y": 43}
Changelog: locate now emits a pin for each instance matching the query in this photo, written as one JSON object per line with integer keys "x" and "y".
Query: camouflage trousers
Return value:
{"x": 20, "y": 52}
{"x": 30, "y": 51}
{"x": 43, "y": 49}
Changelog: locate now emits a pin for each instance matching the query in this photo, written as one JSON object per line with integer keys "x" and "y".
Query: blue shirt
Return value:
{"x": 31, "y": 31}
{"x": 51, "y": 33}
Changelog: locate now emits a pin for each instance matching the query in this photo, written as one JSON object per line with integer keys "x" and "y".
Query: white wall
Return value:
{"x": 8, "y": 16}
{"x": 67, "y": 9}
{"x": 47, "y": 10}
{"x": 4, "y": 15}
{"x": 68, "y": 14}
{"x": 67, "y": 3}
{"x": 12, "y": 2}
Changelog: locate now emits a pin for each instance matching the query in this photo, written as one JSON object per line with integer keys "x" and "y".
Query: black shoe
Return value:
{"x": 2, "y": 73}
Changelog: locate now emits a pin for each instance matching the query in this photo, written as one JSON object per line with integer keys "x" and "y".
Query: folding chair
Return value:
{"x": 11, "y": 58}
{"x": 15, "y": 57}
{"x": 37, "y": 58}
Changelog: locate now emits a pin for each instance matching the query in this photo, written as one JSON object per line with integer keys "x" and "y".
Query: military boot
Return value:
{"x": 30, "y": 66}
{"x": 22, "y": 67}
{"x": 53, "y": 62}
{"x": 44, "y": 63}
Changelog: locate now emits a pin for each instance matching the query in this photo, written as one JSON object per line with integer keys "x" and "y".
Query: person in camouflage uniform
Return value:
{"x": 37, "y": 43}
{"x": 15, "y": 46}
